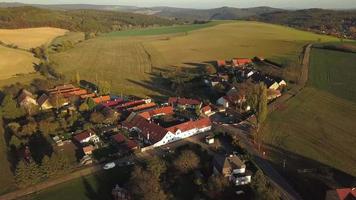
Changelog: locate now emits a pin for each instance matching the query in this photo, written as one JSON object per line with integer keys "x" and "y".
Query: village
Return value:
{"x": 103, "y": 128}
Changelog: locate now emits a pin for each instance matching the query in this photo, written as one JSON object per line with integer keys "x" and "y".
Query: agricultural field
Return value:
{"x": 30, "y": 37}
{"x": 14, "y": 61}
{"x": 316, "y": 129}
{"x": 128, "y": 62}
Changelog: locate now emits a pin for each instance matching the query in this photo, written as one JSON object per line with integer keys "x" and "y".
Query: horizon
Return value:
{"x": 293, "y": 4}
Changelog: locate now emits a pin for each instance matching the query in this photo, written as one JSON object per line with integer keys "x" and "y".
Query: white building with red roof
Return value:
{"x": 86, "y": 136}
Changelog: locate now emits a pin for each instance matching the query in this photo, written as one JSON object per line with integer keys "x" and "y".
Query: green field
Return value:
{"x": 131, "y": 63}
{"x": 97, "y": 186}
{"x": 317, "y": 127}
{"x": 164, "y": 30}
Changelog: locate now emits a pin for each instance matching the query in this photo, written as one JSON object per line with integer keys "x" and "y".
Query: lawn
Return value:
{"x": 97, "y": 186}
{"x": 30, "y": 37}
{"x": 129, "y": 63}
{"x": 316, "y": 129}
{"x": 14, "y": 61}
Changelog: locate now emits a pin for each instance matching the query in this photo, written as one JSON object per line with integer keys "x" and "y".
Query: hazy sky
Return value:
{"x": 208, "y": 3}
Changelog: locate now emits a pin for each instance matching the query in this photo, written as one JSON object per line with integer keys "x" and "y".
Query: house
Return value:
{"x": 167, "y": 110}
{"x": 240, "y": 62}
{"x": 130, "y": 104}
{"x": 271, "y": 83}
{"x": 232, "y": 167}
{"x": 221, "y": 63}
{"x": 118, "y": 138}
{"x": 113, "y": 102}
{"x": 207, "y": 110}
{"x": 101, "y": 99}
{"x": 142, "y": 107}
{"x": 273, "y": 94}
{"x": 86, "y": 136}
{"x": 44, "y": 102}
{"x": 209, "y": 139}
{"x": 341, "y": 194}
{"x": 183, "y": 103}
{"x": 131, "y": 145}
{"x": 223, "y": 101}
{"x": 281, "y": 82}
{"x": 154, "y": 135}
{"x": 88, "y": 150}
{"x": 26, "y": 99}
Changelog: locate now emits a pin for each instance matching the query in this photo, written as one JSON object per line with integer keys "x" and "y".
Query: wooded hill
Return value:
{"x": 76, "y": 20}
{"x": 341, "y": 23}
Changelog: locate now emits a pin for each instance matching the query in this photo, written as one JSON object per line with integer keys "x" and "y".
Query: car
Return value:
{"x": 109, "y": 165}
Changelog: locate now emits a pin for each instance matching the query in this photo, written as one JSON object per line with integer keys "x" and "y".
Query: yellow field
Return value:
{"x": 14, "y": 62}
{"x": 30, "y": 37}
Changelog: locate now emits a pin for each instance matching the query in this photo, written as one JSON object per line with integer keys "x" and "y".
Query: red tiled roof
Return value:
{"x": 61, "y": 87}
{"x": 148, "y": 129}
{"x": 168, "y": 110}
{"x": 142, "y": 107}
{"x": 241, "y": 61}
{"x": 130, "y": 104}
{"x": 88, "y": 149}
{"x": 221, "y": 63}
{"x": 206, "y": 109}
{"x": 346, "y": 193}
{"x": 101, "y": 99}
{"x": 200, "y": 123}
{"x": 119, "y": 138}
{"x": 87, "y": 96}
{"x": 83, "y": 135}
{"x": 131, "y": 144}
{"x": 183, "y": 101}
{"x": 114, "y": 102}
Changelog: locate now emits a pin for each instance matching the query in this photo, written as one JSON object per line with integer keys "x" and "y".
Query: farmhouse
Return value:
{"x": 86, "y": 136}
{"x": 101, "y": 99}
{"x": 241, "y": 62}
{"x": 44, "y": 102}
{"x": 233, "y": 168}
{"x": 26, "y": 99}
{"x": 167, "y": 110}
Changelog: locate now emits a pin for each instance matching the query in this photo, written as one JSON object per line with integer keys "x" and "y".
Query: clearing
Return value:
{"x": 316, "y": 129}
{"x": 28, "y": 38}
{"x": 133, "y": 64}
{"x": 14, "y": 62}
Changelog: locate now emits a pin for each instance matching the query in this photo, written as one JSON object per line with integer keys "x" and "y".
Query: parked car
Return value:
{"x": 109, "y": 165}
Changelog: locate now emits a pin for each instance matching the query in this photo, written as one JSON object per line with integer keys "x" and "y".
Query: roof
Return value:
{"x": 119, "y": 138}
{"x": 232, "y": 162}
{"x": 150, "y": 130}
{"x": 114, "y": 102}
{"x": 241, "y": 61}
{"x": 183, "y": 101}
{"x": 87, "y": 96}
{"x": 89, "y": 148}
{"x": 101, "y": 99}
{"x": 189, "y": 125}
{"x": 143, "y": 106}
{"x": 23, "y": 95}
{"x": 130, "y": 104}
{"x": 167, "y": 110}
{"x": 206, "y": 109}
{"x": 346, "y": 193}
{"x": 43, "y": 98}
{"x": 131, "y": 144}
{"x": 221, "y": 63}
{"x": 83, "y": 135}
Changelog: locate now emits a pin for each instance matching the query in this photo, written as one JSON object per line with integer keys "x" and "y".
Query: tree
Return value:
{"x": 104, "y": 87}
{"x": 144, "y": 185}
{"x": 262, "y": 189}
{"x": 216, "y": 185}
{"x": 261, "y": 112}
{"x": 27, "y": 174}
{"x": 57, "y": 101}
{"x": 10, "y": 109}
{"x": 187, "y": 161}
{"x": 77, "y": 77}
{"x": 15, "y": 142}
{"x": 156, "y": 166}
{"x": 47, "y": 127}
{"x": 14, "y": 127}
{"x": 47, "y": 168}
{"x": 29, "y": 128}
{"x": 97, "y": 117}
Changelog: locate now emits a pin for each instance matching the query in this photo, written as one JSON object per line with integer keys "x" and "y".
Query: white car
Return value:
{"x": 109, "y": 166}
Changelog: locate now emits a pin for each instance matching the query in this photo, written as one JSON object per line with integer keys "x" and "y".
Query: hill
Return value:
{"x": 341, "y": 23}
{"x": 316, "y": 130}
{"x": 133, "y": 64}
{"x": 76, "y": 20}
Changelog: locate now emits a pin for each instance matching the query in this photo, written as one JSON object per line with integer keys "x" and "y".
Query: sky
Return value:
{"x": 333, "y": 4}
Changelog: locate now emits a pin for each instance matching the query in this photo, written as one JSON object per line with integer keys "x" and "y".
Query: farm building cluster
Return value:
{"x": 239, "y": 71}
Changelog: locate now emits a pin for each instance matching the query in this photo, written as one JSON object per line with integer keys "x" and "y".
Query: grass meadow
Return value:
{"x": 317, "y": 127}
{"x": 28, "y": 38}
{"x": 15, "y": 61}
{"x": 129, "y": 63}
